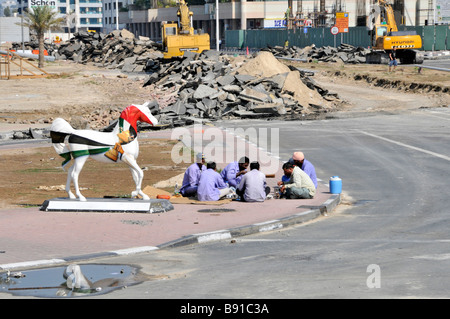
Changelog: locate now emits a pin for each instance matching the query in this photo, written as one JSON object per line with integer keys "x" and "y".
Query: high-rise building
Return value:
{"x": 111, "y": 9}
{"x": 82, "y": 14}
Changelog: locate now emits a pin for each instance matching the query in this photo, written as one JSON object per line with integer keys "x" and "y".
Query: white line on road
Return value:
{"x": 406, "y": 145}
{"x": 350, "y": 240}
{"x": 433, "y": 257}
{"x": 440, "y": 116}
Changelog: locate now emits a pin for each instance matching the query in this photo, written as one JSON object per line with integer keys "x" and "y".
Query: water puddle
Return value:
{"x": 69, "y": 281}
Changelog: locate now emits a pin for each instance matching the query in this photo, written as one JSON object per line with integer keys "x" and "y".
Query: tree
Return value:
{"x": 7, "y": 12}
{"x": 40, "y": 19}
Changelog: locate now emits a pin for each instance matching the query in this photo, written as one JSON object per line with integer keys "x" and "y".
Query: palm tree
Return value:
{"x": 41, "y": 19}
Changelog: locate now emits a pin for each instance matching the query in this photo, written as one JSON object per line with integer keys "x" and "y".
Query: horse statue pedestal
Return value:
{"x": 122, "y": 205}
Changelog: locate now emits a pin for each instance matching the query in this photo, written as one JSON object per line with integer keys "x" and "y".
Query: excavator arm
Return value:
{"x": 180, "y": 37}
{"x": 390, "y": 19}
{"x": 185, "y": 18}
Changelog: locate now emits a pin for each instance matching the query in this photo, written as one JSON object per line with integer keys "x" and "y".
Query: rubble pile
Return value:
{"x": 205, "y": 87}
{"x": 345, "y": 52}
{"x": 33, "y": 44}
{"x": 214, "y": 86}
{"x": 119, "y": 49}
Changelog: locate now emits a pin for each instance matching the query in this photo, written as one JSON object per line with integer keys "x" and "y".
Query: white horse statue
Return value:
{"x": 109, "y": 147}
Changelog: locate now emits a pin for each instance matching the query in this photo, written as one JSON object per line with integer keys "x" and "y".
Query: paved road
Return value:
{"x": 389, "y": 238}
{"x": 392, "y": 241}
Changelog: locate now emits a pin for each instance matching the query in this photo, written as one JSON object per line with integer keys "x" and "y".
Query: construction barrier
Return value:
{"x": 434, "y": 37}
{"x": 37, "y": 52}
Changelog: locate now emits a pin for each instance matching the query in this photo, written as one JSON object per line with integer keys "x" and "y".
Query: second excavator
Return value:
{"x": 387, "y": 36}
{"x": 180, "y": 37}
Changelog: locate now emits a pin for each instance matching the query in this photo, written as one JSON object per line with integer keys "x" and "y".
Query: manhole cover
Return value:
{"x": 68, "y": 281}
{"x": 216, "y": 210}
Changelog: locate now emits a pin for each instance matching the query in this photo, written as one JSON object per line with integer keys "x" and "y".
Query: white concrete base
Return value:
{"x": 123, "y": 205}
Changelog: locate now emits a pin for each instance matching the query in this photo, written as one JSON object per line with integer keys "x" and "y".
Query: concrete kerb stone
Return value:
{"x": 199, "y": 238}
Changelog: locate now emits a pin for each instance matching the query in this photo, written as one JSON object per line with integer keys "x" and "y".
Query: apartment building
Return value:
{"x": 82, "y": 14}
{"x": 111, "y": 20}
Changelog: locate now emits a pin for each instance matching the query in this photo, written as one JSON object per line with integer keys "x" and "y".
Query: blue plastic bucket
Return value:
{"x": 335, "y": 185}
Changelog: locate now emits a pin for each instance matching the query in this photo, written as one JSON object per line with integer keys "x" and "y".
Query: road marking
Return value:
{"x": 134, "y": 250}
{"x": 356, "y": 240}
{"x": 406, "y": 145}
{"x": 27, "y": 264}
{"x": 213, "y": 236}
{"x": 436, "y": 112}
{"x": 433, "y": 257}
{"x": 271, "y": 227}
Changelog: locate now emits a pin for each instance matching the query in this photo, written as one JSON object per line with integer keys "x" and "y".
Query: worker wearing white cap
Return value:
{"x": 298, "y": 159}
{"x": 192, "y": 176}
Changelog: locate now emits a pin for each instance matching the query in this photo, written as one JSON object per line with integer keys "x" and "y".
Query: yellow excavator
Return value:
{"x": 387, "y": 36}
{"x": 180, "y": 37}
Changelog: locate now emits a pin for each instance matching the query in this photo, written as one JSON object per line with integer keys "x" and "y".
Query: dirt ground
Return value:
{"x": 32, "y": 175}
{"x": 76, "y": 90}
{"x": 71, "y": 90}
{"x": 371, "y": 88}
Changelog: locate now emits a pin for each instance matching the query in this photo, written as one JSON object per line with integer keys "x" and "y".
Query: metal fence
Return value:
{"x": 435, "y": 37}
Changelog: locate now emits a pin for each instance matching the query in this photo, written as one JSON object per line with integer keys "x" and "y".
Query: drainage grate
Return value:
{"x": 216, "y": 210}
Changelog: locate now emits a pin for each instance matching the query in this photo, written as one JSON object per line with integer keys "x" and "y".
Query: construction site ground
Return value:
{"x": 79, "y": 92}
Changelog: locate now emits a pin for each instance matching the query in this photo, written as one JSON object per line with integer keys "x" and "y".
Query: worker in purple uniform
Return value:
{"x": 233, "y": 172}
{"x": 211, "y": 186}
{"x": 298, "y": 159}
{"x": 192, "y": 177}
{"x": 253, "y": 186}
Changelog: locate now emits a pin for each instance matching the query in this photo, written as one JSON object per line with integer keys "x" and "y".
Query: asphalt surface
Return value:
{"x": 32, "y": 238}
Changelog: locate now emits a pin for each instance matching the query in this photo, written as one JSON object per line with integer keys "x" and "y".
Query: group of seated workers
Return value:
{"x": 245, "y": 180}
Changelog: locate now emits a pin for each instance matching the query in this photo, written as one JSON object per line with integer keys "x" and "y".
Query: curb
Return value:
{"x": 200, "y": 238}
{"x": 271, "y": 225}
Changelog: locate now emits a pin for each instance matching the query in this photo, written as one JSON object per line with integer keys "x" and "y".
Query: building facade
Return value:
{"x": 246, "y": 14}
{"x": 82, "y": 14}
{"x": 111, "y": 10}
{"x": 107, "y": 15}
{"x": 10, "y": 31}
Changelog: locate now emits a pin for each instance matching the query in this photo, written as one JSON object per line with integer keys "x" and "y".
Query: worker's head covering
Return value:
{"x": 199, "y": 157}
{"x": 298, "y": 156}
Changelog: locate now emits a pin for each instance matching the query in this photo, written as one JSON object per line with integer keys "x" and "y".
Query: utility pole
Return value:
{"x": 117, "y": 14}
{"x": 217, "y": 26}
{"x": 21, "y": 26}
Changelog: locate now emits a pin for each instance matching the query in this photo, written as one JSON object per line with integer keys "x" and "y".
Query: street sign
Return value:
{"x": 342, "y": 21}
{"x": 334, "y": 30}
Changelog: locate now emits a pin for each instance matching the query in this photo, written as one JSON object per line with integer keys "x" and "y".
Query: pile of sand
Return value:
{"x": 266, "y": 65}
{"x": 263, "y": 65}
{"x": 303, "y": 94}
